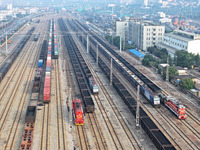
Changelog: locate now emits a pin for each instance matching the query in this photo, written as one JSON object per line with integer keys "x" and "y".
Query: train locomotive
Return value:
{"x": 78, "y": 112}
{"x": 93, "y": 85}
{"x": 177, "y": 108}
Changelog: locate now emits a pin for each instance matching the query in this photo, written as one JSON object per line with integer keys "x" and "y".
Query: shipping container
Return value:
{"x": 40, "y": 63}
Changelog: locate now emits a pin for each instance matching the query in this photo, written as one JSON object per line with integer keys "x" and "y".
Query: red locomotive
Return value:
{"x": 78, "y": 112}
{"x": 175, "y": 107}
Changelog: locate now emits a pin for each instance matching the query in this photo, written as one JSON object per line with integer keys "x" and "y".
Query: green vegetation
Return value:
{"x": 187, "y": 83}
{"x": 116, "y": 40}
{"x": 172, "y": 73}
{"x": 185, "y": 59}
{"x": 161, "y": 54}
{"x": 149, "y": 61}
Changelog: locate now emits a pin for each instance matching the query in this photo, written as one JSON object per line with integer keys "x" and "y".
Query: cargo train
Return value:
{"x": 78, "y": 112}
{"x": 47, "y": 80}
{"x": 8, "y": 63}
{"x": 55, "y": 44}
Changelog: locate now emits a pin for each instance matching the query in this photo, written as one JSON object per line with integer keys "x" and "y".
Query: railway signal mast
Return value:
{"x": 167, "y": 70}
{"x": 97, "y": 59}
{"x": 87, "y": 44}
{"x": 138, "y": 109}
{"x": 111, "y": 72}
{"x": 6, "y": 43}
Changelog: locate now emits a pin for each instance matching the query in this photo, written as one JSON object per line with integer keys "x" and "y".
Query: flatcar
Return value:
{"x": 93, "y": 85}
{"x": 78, "y": 112}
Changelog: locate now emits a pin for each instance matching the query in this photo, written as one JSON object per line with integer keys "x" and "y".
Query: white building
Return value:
{"x": 9, "y": 6}
{"x": 145, "y": 34}
{"x": 122, "y": 29}
{"x": 181, "y": 40}
{"x": 145, "y": 3}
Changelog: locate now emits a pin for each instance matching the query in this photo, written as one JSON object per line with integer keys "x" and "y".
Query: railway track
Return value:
{"x": 60, "y": 119}
{"x": 114, "y": 136}
{"x": 180, "y": 130}
{"x": 45, "y": 128}
{"x": 81, "y": 135}
{"x": 13, "y": 99}
{"x": 82, "y": 138}
{"x": 96, "y": 130}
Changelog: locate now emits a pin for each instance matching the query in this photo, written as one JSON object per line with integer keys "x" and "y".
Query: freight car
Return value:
{"x": 173, "y": 105}
{"x": 47, "y": 89}
{"x": 78, "y": 112}
{"x": 30, "y": 114}
{"x": 93, "y": 85}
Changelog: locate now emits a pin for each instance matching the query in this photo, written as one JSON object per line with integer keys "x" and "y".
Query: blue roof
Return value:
{"x": 137, "y": 53}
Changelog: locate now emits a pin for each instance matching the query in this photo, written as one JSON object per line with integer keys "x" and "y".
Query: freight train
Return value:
{"x": 78, "y": 112}
{"x": 55, "y": 44}
{"x": 47, "y": 81}
{"x": 177, "y": 108}
{"x": 8, "y": 63}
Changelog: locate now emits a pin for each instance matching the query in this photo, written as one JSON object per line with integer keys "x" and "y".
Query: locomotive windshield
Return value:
{"x": 77, "y": 105}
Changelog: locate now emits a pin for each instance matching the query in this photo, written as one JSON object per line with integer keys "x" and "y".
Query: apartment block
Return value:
{"x": 145, "y": 34}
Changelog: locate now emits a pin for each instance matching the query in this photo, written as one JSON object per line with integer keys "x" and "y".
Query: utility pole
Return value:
{"x": 97, "y": 54}
{"x": 138, "y": 109}
{"x": 120, "y": 44}
{"x": 111, "y": 72}
{"x": 0, "y": 45}
{"x": 6, "y": 43}
{"x": 167, "y": 70}
{"x": 87, "y": 44}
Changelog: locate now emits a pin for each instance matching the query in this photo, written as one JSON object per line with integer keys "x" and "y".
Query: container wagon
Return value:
{"x": 78, "y": 112}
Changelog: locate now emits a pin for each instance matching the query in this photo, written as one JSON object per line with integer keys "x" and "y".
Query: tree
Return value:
{"x": 116, "y": 41}
{"x": 184, "y": 59}
{"x": 197, "y": 60}
{"x": 172, "y": 73}
{"x": 148, "y": 60}
{"x": 187, "y": 83}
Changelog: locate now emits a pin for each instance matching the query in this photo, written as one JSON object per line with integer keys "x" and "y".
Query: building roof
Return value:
{"x": 179, "y": 37}
{"x": 137, "y": 53}
{"x": 185, "y": 76}
{"x": 163, "y": 65}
